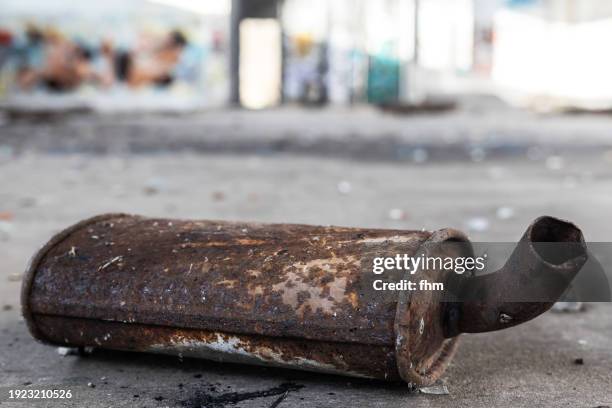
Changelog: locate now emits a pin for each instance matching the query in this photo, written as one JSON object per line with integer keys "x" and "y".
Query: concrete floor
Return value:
{"x": 44, "y": 189}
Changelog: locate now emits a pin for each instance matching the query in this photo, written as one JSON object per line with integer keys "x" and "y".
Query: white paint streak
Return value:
{"x": 228, "y": 348}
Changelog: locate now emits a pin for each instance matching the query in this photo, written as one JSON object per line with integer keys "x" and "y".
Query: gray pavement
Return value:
{"x": 480, "y": 127}
{"x": 55, "y": 175}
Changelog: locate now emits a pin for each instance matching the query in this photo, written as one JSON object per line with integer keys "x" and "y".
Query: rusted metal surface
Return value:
{"x": 542, "y": 266}
{"x": 330, "y": 357}
{"x": 287, "y": 295}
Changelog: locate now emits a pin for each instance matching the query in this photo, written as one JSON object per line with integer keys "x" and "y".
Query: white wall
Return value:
{"x": 538, "y": 61}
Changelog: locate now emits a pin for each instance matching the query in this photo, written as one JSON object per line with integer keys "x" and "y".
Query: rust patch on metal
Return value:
{"x": 330, "y": 357}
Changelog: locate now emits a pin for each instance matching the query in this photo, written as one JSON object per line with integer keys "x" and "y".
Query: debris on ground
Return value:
{"x": 202, "y": 399}
{"x": 15, "y": 277}
{"x": 110, "y": 262}
{"x": 397, "y": 214}
{"x": 579, "y": 361}
{"x": 477, "y": 224}
{"x": 91, "y": 385}
{"x": 153, "y": 186}
{"x": 67, "y": 351}
{"x": 568, "y": 307}
{"x": 505, "y": 213}
{"x": 280, "y": 399}
{"x": 439, "y": 388}
{"x": 344, "y": 187}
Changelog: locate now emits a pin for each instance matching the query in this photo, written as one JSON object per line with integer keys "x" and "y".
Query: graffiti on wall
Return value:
{"x": 166, "y": 54}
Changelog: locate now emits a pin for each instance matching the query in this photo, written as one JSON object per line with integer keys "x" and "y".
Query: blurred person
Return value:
{"x": 159, "y": 67}
{"x": 103, "y": 64}
{"x": 30, "y": 57}
{"x": 55, "y": 62}
{"x": 67, "y": 63}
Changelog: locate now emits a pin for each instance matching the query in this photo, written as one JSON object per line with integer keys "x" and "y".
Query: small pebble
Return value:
{"x": 344, "y": 187}
{"x": 91, "y": 385}
{"x": 505, "y": 213}
{"x": 478, "y": 224}
{"x": 579, "y": 361}
{"x": 436, "y": 389}
{"x": 568, "y": 307}
{"x": 397, "y": 214}
{"x": 67, "y": 351}
{"x": 15, "y": 277}
{"x": 153, "y": 186}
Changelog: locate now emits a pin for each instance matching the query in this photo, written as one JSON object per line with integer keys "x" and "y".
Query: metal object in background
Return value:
{"x": 284, "y": 295}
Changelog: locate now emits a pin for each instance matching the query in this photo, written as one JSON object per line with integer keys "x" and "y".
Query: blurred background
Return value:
{"x": 545, "y": 54}
{"x": 475, "y": 114}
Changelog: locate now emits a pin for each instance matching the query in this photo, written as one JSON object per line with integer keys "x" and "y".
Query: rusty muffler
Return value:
{"x": 273, "y": 294}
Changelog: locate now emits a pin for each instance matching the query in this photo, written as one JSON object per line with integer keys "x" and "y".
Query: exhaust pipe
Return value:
{"x": 542, "y": 266}
{"x": 276, "y": 294}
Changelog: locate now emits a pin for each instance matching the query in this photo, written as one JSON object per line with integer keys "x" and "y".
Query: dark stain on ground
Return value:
{"x": 203, "y": 400}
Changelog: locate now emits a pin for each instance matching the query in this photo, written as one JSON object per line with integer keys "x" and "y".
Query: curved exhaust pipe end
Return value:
{"x": 539, "y": 271}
